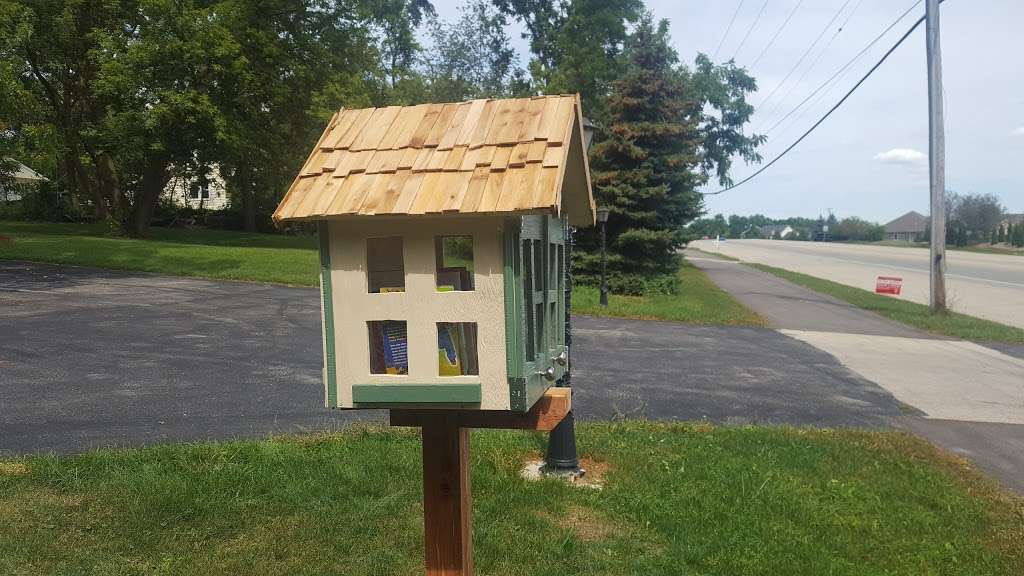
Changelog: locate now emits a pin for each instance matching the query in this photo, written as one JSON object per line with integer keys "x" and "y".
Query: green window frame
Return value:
{"x": 534, "y": 306}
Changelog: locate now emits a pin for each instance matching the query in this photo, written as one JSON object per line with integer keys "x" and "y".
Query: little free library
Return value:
{"x": 442, "y": 249}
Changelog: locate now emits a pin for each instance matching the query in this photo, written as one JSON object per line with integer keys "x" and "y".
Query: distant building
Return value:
{"x": 776, "y": 231}
{"x": 23, "y": 176}
{"x": 907, "y": 228}
{"x": 198, "y": 191}
{"x": 1014, "y": 219}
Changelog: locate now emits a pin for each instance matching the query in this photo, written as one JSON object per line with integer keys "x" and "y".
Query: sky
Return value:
{"x": 870, "y": 158}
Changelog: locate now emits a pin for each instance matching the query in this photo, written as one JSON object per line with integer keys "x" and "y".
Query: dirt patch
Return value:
{"x": 587, "y": 524}
{"x": 13, "y": 469}
{"x": 596, "y": 471}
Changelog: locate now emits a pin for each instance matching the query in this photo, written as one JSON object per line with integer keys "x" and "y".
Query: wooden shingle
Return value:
{"x": 481, "y": 156}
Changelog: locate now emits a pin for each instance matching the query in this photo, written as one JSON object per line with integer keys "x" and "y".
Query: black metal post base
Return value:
{"x": 561, "y": 459}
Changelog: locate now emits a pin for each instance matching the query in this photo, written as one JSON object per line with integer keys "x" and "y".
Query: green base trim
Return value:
{"x": 462, "y": 393}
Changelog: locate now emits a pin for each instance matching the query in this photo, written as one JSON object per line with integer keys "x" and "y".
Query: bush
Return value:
{"x": 39, "y": 202}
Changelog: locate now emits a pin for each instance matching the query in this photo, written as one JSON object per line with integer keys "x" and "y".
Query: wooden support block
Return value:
{"x": 544, "y": 416}
{"x": 447, "y": 502}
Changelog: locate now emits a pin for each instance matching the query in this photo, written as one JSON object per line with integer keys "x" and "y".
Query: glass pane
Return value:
{"x": 554, "y": 324}
{"x": 538, "y": 265}
{"x": 531, "y": 353}
{"x": 539, "y": 332}
{"x": 389, "y": 352}
{"x": 385, "y": 265}
{"x": 454, "y": 256}
{"x": 456, "y": 349}
{"x": 560, "y": 272}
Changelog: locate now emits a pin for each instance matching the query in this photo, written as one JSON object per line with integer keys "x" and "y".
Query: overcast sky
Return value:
{"x": 868, "y": 159}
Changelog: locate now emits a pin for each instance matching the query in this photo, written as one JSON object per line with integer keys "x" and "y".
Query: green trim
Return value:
{"x": 330, "y": 360}
{"x": 461, "y": 393}
{"x": 514, "y": 317}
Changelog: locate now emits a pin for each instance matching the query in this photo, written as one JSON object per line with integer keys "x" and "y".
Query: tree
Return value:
{"x": 856, "y": 230}
{"x": 645, "y": 170}
{"x": 717, "y": 95}
{"x": 295, "y": 64}
{"x": 472, "y": 57}
{"x": 576, "y": 45}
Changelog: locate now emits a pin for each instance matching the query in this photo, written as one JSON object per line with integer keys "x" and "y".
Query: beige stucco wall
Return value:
{"x": 421, "y": 305}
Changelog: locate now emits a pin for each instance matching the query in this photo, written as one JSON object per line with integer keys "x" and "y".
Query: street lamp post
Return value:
{"x": 602, "y": 218}
{"x": 561, "y": 457}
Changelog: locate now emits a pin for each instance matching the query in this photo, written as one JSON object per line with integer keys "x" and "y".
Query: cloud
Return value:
{"x": 902, "y": 157}
{"x": 1019, "y": 131}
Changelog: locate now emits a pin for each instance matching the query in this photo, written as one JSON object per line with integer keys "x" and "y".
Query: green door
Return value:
{"x": 535, "y": 306}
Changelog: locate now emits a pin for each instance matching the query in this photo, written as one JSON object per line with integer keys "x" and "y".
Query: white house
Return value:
{"x": 776, "y": 231}
{"x": 23, "y": 176}
{"x": 198, "y": 191}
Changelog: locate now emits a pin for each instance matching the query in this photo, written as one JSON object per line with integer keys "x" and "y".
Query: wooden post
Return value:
{"x": 447, "y": 503}
{"x": 936, "y": 160}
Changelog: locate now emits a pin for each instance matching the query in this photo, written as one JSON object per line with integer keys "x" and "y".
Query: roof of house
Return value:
{"x": 23, "y": 173}
{"x": 909, "y": 222}
{"x": 775, "y": 227}
{"x": 518, "y": 155}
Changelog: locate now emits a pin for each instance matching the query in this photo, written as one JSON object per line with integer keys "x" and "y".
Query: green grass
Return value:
{"x": 910, "y": 313}
{"x": 204, "y": 253}
{"x": 293, "y": 260}
{"x": 699, "y": 301}
{"x": 677, "y": 499}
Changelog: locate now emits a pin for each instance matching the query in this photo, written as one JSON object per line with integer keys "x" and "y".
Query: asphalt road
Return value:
{"x": 989, "y": 286}
{"x": 92, "y": 358}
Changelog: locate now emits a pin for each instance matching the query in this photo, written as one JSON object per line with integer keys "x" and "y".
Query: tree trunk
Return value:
{"x": 154, "y": 179}
{"x": 248, "y": 190}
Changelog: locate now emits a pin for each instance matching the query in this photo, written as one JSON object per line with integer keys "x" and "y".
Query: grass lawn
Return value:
{"x": 699, "y": 301}
{"x": 205, "y": 253}
{"x": 911, "y": 313}
{"x": 678, "y": 499}
{"x": 293, "y": 260}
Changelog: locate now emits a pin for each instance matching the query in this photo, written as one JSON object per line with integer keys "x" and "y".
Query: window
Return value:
{"x": 454, "y": 255}
{"x": 456, "y": 349}
{"x": 389, "y": 347}
{"x": 385, "y": 265}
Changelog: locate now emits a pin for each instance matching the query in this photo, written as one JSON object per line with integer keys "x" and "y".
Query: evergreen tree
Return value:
{"x": 645, "y": 169}
{"x": 1000, "y": 234}
{"x": 994, "y": 237}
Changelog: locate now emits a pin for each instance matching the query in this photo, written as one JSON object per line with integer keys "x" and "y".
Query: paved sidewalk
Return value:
{"x": 969, "y": 398}
{"x": 788, "y": 306}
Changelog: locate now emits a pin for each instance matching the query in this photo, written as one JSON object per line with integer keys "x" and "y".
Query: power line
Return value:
{"x": 846, "y": 66}
{"x": 827, "y": 114}
{"x": 778, "y": 104}
{"x": 751, "y": 29}
{"x": 777, "y": 33}
{"x": 805, "y": 54}
{"x": 714, "y": 56}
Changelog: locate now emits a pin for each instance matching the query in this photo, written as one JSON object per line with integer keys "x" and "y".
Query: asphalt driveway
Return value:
{"x": 95, "y": 358}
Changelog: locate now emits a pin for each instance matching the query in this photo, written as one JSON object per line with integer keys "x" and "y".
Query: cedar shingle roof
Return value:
{"x": 481, "y": 156}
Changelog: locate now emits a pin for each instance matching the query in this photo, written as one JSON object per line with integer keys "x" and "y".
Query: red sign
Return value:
{"x": 888, "y": 285}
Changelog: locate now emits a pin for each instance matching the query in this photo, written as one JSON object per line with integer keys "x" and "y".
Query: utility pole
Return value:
{"x": 936, "y": 160}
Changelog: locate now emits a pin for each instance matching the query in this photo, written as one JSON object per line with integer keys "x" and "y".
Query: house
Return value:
{"x": 22, "y": 176}
{"x": 443, "y": 253}
{"x": 910, "y": 227}
{"x": 203, "y": 190}
{"x": 1011, "y": 219}
{"x": 776, "y": 231}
